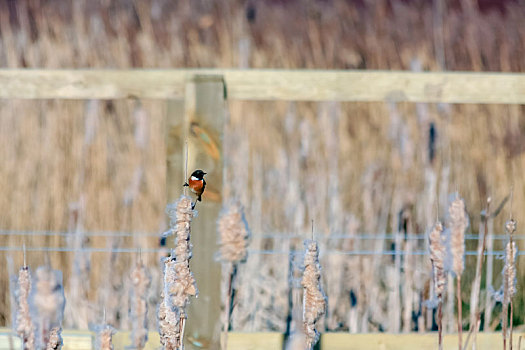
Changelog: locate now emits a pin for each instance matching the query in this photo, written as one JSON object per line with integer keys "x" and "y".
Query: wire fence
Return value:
{"x": 275, "y": 235}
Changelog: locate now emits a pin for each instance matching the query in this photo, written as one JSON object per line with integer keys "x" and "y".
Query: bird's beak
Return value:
{"x": 204, "y": 174}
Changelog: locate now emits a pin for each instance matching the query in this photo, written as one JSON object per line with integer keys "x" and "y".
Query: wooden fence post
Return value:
{"x": 198, "y": 120}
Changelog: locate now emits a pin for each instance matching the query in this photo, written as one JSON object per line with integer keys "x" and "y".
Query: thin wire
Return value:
{"x": 72, "y": 234}
{"x": 499, "y": 253}
{"x": 85, "y": 250}
{"x": 276, "y": 235}
{"x": 389, "y": 236}
{"x": 250, "y": 251}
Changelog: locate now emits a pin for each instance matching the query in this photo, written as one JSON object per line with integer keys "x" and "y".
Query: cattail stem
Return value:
{"x": 511, "y": 316}
{"x": 440, "y": 324}
{"x": 460, "y": 321}
{"x": 504, "y": 325}
{"x": 182, "y": 324}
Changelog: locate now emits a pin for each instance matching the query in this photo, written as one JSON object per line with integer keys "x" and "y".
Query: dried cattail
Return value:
{"x": 458, "y": 225}
{"x": 437, "y": 257}
{"x": 167, "y": 315}
{"x": 24, "y": 324}
{"x": 233, "y": 241}
{"x": 510, "y": 269}
{"x": 233, "y": 234}
{"x": 55, "y": 339}
{"x": 104, "y": 337}
{"x": 141, "y": 281}
{"x": 47, "y": 302}
{"x": 184, "y": 284}
{"x": 508, "y": 287}
{"x": 314, "y": 303}
{"x": 179, "y": 282}
{"x": 509, "y": 280}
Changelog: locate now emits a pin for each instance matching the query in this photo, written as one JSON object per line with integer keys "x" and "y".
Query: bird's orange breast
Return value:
{"x": 196, "y": 186}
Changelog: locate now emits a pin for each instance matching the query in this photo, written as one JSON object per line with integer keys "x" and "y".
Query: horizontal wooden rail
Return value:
{"x": 264, "y": 85}
{"x": 84, "y": 340}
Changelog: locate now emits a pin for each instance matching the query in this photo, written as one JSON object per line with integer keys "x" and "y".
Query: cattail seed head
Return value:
{"x": 508, "y": 287}
{"x": 55, "y": 339}
{"x": 233, "y": 234}
{"x": 24, "y": 324}
{"x": 104, "y": 337}
{"x": 47, "y": 302}
{"x": 510, "y": 227}
{"x": 458, "y": 225}
{"x": 314, "y": 301}
{"x": 184, "y": 285}
{"x": 510, "y": 270}
{"x": 437, "y": 257}
{"x": 167, "y": 314}
{"x": 141, "y": 281}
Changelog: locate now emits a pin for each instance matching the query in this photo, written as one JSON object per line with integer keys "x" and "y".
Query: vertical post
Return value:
{"x": 198, "y": 120}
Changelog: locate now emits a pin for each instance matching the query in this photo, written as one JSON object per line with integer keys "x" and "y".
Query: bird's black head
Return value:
{"x": 199, "y": 174}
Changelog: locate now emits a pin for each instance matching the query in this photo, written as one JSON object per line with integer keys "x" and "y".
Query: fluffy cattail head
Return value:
{"x": 55, "y": 339}
{"x": 437, "y": 257}
{"x": 458, "y": 225}
{"x": 314, "y": 301}
{"x": 509, "y": 271}
{"x": 183, "y": 286}
{"x": 24, "y": 324}
{"x": 508, "y": 287}
{"x": 510, "y": 227}
{"x": 167, "y": 315}
{"x": 233, "y": 234}
{"x": 104, "y": 337}
{"x": 47, "y": 301}
{"x": 141, "y": 281}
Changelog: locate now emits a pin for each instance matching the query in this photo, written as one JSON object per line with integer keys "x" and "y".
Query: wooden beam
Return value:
{"x": 75, "y": 339}
{"x": 408, "y": 341}
{"x": 199, "y": 122}
{"x": 85, "y": 340}
{"x": 263, "y": 85}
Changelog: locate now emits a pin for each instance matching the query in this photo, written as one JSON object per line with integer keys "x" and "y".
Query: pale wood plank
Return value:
{"x": 299, "y": 85}
{"x": 410, "y": 341}
{"x": 255, "y": 341}
{"x": 272, "y": 340}
{"x": 199, "y": 121}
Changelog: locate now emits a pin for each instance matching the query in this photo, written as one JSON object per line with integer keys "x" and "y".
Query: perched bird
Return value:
{"x": 196, "y": 183}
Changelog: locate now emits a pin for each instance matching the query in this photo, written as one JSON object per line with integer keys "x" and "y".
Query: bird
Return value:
{"x": 196, "y": 183}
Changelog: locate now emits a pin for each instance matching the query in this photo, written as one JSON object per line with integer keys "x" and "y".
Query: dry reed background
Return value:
{"x": 81, "y": 166}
